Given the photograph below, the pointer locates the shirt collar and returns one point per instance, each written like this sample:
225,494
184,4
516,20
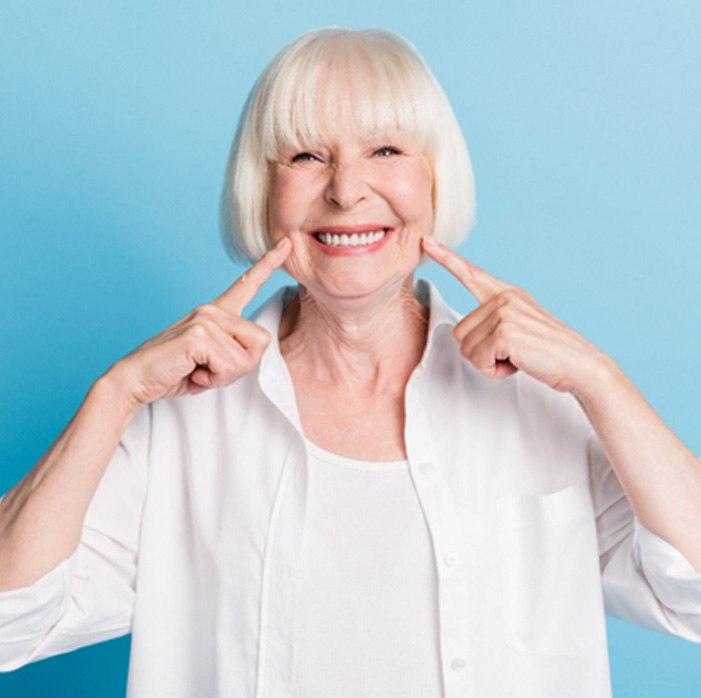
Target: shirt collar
440,313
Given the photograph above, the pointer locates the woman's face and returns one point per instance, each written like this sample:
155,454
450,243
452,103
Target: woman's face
355,212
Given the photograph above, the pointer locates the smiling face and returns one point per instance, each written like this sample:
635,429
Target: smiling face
355,210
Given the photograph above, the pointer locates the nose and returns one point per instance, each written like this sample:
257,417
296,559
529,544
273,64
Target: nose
347,186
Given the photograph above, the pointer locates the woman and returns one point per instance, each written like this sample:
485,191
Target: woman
337,498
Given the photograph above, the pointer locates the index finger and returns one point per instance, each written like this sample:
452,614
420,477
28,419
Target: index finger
244,289
477,281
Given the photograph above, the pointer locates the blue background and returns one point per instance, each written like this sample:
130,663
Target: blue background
584,123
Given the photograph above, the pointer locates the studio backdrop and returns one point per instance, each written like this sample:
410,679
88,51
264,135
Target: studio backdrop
584,125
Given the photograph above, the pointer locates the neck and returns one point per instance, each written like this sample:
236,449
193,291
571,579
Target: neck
367,340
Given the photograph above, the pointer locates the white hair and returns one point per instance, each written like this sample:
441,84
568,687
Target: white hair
383,84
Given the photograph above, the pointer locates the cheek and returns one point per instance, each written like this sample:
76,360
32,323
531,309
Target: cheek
286,204
281,210
415,196
298,263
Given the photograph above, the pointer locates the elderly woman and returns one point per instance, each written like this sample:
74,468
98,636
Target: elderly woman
358,493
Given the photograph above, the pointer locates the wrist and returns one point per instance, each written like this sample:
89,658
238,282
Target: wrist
602,379
112,388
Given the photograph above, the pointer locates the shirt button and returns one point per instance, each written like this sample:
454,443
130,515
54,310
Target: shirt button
425,468
457,664
451,559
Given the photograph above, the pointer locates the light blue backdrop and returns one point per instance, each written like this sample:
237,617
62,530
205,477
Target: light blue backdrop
584,122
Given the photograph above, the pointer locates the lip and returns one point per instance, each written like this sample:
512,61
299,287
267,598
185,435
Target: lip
348,229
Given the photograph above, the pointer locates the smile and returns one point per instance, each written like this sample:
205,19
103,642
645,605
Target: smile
350,239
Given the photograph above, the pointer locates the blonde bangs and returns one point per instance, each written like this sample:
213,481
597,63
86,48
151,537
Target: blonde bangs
356,84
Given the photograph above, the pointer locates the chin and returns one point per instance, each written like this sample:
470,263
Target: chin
357,286
352,277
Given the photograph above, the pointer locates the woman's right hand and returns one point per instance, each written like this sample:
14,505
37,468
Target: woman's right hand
209,348
42,517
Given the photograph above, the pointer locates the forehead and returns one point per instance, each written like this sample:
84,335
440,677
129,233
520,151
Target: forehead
341,101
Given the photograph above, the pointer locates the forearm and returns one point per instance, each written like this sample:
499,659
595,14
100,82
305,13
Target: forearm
41,518
659,474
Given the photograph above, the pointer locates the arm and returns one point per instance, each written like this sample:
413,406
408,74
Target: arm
89,596
42,517
645,580
509,331
660,476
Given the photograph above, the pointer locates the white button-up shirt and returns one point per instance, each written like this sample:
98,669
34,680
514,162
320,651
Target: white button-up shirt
192,541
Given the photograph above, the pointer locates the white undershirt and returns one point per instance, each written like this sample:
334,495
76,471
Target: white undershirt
366,610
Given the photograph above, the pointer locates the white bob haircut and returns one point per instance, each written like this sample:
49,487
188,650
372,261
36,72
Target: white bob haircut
379,84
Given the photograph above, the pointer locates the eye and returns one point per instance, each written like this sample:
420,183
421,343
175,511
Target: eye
304,157
387,150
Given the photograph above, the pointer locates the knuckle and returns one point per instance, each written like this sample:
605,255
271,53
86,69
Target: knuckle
510,302
256,352
265,338
510,295
198,332
253,356
506,313
261,337
203,316
204,311
522,294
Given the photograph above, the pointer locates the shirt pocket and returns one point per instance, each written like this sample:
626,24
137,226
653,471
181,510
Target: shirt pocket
551,583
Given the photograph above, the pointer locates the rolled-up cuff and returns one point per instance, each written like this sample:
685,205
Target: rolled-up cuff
672,577
28,614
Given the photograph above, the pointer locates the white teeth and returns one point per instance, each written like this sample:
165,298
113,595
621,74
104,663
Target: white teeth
350,240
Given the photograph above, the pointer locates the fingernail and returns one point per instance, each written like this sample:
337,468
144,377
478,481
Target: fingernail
430,242
282,243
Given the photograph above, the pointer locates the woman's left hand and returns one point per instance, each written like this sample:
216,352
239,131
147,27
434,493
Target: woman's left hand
510,331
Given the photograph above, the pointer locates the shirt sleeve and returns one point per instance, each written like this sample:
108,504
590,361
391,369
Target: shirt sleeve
89,597
646,581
